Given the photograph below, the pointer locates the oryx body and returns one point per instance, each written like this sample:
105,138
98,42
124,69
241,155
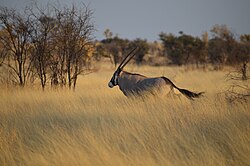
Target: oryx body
136,84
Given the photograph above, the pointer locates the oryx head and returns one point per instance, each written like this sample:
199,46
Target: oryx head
114,80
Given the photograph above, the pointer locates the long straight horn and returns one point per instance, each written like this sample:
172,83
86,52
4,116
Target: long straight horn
124,64
121,64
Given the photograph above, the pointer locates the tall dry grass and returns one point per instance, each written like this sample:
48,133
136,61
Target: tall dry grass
99,126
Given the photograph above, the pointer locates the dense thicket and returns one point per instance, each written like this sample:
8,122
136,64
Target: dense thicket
218,48
222,48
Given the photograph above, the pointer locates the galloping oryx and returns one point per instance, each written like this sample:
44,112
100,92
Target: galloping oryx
136,84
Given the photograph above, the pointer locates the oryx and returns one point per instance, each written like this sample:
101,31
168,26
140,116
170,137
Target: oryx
136,84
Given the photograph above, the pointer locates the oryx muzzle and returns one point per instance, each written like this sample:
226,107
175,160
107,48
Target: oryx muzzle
136,84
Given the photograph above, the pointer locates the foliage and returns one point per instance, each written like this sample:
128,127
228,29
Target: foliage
144,47
114,47
220,50
183,49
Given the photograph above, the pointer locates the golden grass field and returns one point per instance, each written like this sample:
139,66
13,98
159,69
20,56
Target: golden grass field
96,125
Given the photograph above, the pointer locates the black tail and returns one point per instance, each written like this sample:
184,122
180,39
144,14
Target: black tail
187,93
190,94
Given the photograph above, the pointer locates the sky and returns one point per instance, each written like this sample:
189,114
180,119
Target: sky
146,19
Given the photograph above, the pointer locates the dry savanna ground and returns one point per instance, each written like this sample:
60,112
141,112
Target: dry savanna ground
96,125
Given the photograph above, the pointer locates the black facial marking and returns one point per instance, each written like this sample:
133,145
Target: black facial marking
114,79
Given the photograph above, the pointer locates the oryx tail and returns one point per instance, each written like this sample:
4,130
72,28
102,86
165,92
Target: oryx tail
185,92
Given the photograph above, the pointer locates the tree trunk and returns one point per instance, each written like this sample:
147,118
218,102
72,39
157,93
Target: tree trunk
244,71
20,75
74,85
69,74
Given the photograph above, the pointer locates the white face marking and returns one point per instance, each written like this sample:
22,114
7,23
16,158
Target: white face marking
110,84
116,77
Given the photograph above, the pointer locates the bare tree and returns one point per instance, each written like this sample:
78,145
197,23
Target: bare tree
73,36
43,24
239,89
17,32
3,50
